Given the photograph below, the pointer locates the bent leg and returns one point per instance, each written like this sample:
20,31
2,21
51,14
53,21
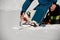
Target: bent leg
40,13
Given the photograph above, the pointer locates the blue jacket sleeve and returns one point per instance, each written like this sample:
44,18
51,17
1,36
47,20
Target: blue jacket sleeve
54,1
26,5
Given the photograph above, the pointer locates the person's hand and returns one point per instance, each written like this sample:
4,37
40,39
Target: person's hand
21,15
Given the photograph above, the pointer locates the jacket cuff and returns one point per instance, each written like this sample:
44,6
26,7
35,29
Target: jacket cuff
21,12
